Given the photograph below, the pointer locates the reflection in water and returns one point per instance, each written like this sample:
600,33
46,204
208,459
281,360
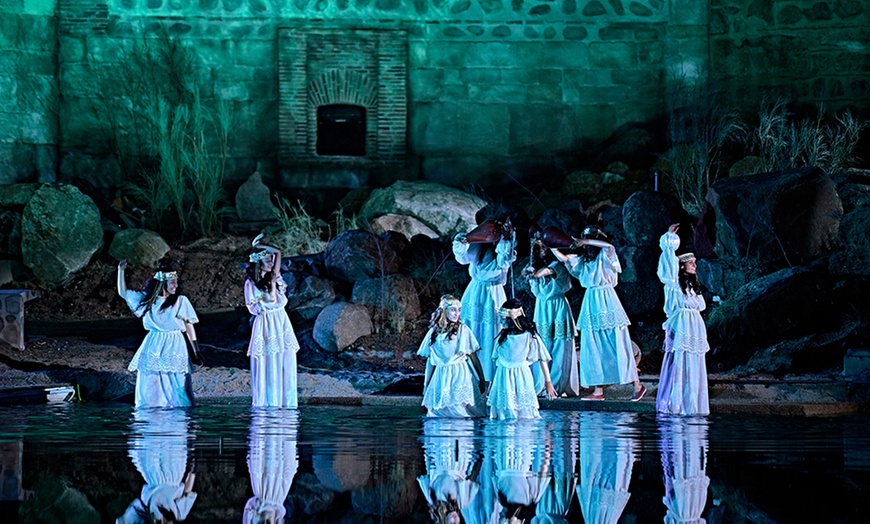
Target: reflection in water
684,462
158,445
556,499
451,481
607,456
522,456
272,462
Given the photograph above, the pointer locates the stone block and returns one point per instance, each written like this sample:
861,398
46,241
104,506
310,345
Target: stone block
497,54
12,315
856,365
541,129
565,55
613,54
481,129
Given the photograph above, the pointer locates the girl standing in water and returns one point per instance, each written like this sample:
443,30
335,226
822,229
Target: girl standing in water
683,380
513,394
273,344
450,388
162,363
606,355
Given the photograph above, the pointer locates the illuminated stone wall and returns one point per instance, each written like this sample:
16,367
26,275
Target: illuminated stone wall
487,86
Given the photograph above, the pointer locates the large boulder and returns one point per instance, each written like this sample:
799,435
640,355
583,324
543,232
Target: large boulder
787,217
404,224
341,324
396,295
140,247
646,216
444,210
60,231
308,291
788,303
357,255
254,202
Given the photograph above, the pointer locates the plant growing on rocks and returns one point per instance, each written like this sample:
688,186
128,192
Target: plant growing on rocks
297,232
169,142
784,143
699,128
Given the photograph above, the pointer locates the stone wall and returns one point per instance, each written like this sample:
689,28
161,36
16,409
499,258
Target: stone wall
489,86
28,94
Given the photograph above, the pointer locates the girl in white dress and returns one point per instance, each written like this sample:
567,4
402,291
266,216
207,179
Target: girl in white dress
488,266
513,394
273,344
450,388
606,354
683,380
549,281
162,363
451,483
272,463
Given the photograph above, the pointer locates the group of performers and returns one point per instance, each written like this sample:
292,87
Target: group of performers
163,361
519,358
522,359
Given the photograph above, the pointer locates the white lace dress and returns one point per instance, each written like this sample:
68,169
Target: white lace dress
606,355
555,324
449,463
485,293
161,363
272,349
683,381
513,394
453,389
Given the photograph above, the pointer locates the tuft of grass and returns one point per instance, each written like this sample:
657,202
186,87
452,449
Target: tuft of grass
699,128
298,232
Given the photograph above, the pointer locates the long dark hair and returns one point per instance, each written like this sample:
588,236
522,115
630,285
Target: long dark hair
154,288
589,253
541,257
253,270
517,326
689,281
523,512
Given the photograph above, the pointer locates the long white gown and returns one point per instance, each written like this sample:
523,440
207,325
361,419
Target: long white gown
272,463
448,446
555,324
683,380
485,293
161,363
606,355
272,348
454,389
513,394
607,456
158,447
684,463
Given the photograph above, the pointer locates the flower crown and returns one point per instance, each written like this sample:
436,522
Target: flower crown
257,256
449,300
164,276
511,313
686,257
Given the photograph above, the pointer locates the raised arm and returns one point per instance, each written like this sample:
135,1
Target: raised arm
596,243
669,265
505,251
122,281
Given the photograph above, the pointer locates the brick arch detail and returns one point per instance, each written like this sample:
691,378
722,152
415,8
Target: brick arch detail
341,86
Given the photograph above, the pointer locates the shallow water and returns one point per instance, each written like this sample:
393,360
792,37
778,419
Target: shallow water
99,463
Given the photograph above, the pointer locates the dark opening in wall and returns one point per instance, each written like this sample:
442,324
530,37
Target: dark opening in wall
341,130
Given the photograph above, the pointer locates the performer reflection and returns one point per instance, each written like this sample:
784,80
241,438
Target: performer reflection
607,456
684,462
272,462
556,500
452,480
158,445
522,458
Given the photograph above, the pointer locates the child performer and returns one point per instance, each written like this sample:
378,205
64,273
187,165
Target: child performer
549,281
488,266
450,388
606,355
683,381
513,394
273,344
162,363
